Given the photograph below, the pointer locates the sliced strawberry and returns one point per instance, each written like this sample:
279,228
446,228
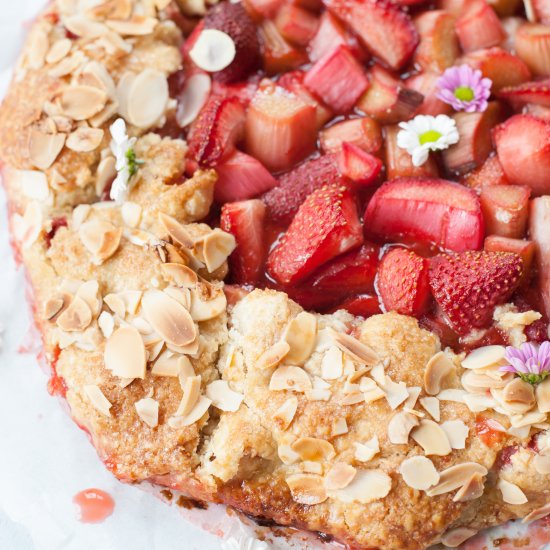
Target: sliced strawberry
454,7
325,226
232,19
479,27
242,177
258,9
533,46
363,132
216,130
403,282
279,55
245,221
357,165
296,25
524,249
281,129
468,286
438,48
387,100
363,305
539,229
294,187
489,173
426,84
475,143
537,93
523,148
338,79
505,209
436,211
387,32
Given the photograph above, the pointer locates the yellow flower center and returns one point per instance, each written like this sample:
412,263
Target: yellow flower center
464,93
430,136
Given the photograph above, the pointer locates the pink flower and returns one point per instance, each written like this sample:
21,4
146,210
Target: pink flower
464,89
530,362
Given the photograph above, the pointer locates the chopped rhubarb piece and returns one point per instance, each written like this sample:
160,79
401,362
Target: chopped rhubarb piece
436,211
454,7
259,9
489,173
539,229
403,282
468,286
245,221
296,25
438,47
216,130
537,93
505,209
338,79
523,148
242,177
533,46
475,143
279,55
479,27
363,132
541,9
387,31
426,84
387,100
357,165
399,162
363,305
294,187
325,226
281,129
524,249
502,67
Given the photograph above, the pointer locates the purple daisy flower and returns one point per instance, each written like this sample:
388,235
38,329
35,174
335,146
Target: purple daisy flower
530,362
464,89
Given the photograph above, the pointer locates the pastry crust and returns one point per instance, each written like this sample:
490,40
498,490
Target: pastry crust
262,439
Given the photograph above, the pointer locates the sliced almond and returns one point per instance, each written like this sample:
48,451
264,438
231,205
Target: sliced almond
116,303
105,174
168,317
518,391
284,415
83,27
332,366
148,410
457,433
199,410
455,395
181,295
456,476
147,98
339,427
455,537
486,356
45,148
137,25
191,394
180,274
27,228
414,393
479,402
355,349
511,493
196,91
204,310
312,467
58,50
272,356
213,51
98,399
82,102
431,406
367,486
431,438
216,248
395,392
290,378
528,419
539,513
125,353
373,394
311,448
37,48
106,324
339,476
300,335
88,291
439,367
101,238
471,490
543,396
33,184
52,307
178,233
419,473
223,397
131,213
307,488
76,317
84,140
364,452
400,427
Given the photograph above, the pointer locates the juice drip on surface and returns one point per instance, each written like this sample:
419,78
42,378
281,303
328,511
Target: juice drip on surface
94,505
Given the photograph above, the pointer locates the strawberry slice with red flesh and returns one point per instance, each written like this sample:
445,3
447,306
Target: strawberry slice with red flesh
242,177
338,79
468,286
326,225
294,187
537,93
490,173
245,221
363,132
214,133
363,305
523,148
403,282
539,229
479,27
233,20
357,165
387,32
525,249
432,211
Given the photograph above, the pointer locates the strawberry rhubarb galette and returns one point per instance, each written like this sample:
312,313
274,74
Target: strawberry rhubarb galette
294,255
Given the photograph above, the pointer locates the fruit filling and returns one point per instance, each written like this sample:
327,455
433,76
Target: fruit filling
377,155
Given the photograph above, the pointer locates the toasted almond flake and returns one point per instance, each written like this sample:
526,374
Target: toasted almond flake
170,364
148,410
80,214
311,448
456,476
32,183
373,395
82,26
508,407
431,406
213,51
395,392
82,102
400,427
137,25
339,427
307,488
311,467
66,66
539,513
168,317
528,419
480,381
179,274
191,394
181,295
317,394
290,378
272,356
98,399
511,493
351,388
367,384
364,452
116,303
414,393
76,317
455,537
216,248
199,410
358,374
124,353
300,335
106,323
204,310
438,369
457,433
195,92
96,74
339,476
479,402
88,291
223,397
518,391
285,414
471,490
37,48
100,238
543,396
431,438
131,213
367,486
44,148
332,366
84,140
106,173
147,98
58,50
457,396
486,356
419,473
358,351
52,307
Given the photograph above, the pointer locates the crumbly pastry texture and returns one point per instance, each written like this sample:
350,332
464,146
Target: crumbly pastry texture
364,430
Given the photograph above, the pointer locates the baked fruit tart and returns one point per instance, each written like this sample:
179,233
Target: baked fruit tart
294,255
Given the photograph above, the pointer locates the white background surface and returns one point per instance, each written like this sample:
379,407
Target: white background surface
44,458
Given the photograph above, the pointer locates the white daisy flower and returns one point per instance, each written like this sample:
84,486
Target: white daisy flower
122,147
426,133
